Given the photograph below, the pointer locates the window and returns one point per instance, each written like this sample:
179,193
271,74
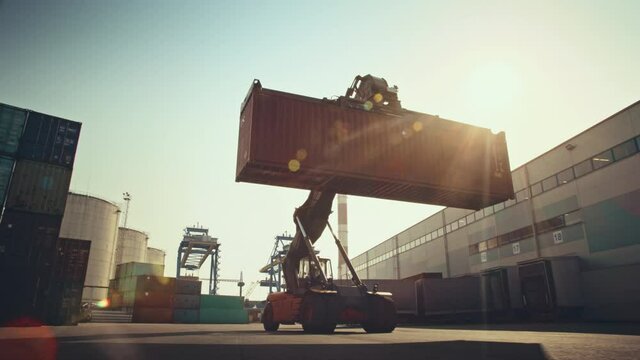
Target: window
479,214
549,183
550,224
470,218
497,207
454,226
488,211
428,237
441,232
583,168
509,202
522,195
473,249
434,234
573,217
492,243
624,150
448,228
603,159
565,176
482,246
536,189
462,222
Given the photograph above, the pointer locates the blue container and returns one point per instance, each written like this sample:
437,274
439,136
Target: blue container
49,139
12,121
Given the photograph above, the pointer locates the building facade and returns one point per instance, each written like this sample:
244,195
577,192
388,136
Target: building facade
581,198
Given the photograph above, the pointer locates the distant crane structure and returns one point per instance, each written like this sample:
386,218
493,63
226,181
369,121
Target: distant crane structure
127,199
194,249
274,264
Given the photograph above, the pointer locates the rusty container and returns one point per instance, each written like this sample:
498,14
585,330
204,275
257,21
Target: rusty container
302,142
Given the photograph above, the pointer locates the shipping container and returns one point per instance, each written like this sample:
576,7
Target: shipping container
223,316
49,139
182,301
156,283
403,292
137,269
72,260
186,316
38,188
152,315
12,122
28,243
221,302
6,169
64,304
153,299
188,286
301,142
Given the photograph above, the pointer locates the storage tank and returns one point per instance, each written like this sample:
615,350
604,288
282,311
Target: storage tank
132,246
90,218
155,256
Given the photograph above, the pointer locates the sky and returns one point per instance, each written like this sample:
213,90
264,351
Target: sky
158,85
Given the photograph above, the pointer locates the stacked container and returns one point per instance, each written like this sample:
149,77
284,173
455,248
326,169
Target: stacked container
186,304
37,152
220,309
123,289
154,296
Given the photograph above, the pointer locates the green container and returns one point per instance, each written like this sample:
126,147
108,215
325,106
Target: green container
186,316
146,269
221,302
223,316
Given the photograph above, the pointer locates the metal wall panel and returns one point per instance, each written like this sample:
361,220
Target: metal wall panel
39,188
296,141
49,139
12,121
6,169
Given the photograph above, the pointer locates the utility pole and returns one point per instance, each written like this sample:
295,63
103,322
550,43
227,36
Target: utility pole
127,198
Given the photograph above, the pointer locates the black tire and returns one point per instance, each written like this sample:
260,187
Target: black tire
315,314
267,319
381,315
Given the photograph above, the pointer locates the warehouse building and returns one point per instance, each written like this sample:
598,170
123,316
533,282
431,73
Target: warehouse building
581,199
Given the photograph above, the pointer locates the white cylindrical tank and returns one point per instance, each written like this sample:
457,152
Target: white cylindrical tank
155,256
90,218
132,246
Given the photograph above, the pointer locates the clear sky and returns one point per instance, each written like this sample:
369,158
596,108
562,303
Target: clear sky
158,86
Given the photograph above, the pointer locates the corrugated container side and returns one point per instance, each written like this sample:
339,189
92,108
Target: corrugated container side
182,301
188,286
6,169
403,292
221,302
152,315
49,139
28,243
412,157
151,299
156,283
39,188
186,316
72,261
223,316
12,122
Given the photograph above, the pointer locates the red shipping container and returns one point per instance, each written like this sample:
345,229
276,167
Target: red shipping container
301,142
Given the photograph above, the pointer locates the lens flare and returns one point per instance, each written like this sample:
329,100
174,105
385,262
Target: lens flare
417,126
368,105
103,303
301,154
294,165
377,97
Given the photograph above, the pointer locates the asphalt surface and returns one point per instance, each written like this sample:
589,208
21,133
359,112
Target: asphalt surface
181,341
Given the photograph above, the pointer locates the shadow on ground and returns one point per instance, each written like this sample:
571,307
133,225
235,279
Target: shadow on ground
582,328
455,350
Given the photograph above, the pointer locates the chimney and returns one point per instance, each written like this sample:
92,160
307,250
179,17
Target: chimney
343,271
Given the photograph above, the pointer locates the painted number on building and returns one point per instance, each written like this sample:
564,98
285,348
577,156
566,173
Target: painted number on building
483,257
516,248
557,237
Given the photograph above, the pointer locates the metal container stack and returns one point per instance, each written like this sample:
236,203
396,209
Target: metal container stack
37,152
221,309
186,304
123,288
154,296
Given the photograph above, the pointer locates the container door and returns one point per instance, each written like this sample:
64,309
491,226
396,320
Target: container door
536,287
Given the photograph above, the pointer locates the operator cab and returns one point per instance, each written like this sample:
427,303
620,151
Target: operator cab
309,276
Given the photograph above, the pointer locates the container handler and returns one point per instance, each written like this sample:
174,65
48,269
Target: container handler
315,301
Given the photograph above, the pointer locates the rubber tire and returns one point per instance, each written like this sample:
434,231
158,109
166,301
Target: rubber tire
267,319
382,316
318,307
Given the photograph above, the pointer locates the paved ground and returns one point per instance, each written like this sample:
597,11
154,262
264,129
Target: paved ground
174,341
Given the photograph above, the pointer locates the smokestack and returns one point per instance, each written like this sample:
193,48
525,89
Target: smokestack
343,271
